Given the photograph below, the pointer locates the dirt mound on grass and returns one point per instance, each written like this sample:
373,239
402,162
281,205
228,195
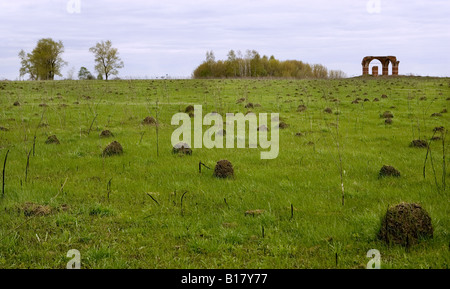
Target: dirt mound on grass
419,143
328,110
223,169
262,128
436,114
149,120
388,171
301,108
3,128
106,133
113,148
405,224
222,132
254,212
283,125
32,209
439,129
182,148
52,140
376,99
189,108
16,103
249,105
388,121
387,114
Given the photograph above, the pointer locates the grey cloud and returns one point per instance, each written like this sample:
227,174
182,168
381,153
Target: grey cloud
172,36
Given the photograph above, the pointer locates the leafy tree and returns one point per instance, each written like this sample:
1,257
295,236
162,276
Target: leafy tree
85,74
106,58
44,62
253,65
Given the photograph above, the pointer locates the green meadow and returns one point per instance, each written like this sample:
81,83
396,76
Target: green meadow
151,208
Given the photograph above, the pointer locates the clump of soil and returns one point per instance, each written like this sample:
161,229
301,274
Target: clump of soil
388,121
328,110
149,120
254,212
32,209
191,114
257,105
16,103
106,133
301,108
384,96
387,114
249,105
405,224
240,100
113,148
189,108
43,105
419,143
388,171
376,99
283,125
182,148
436,114
439,129
3,128
52,140
262,128
366,100
436,138
222,132
223,169
299,134
355,101
444,110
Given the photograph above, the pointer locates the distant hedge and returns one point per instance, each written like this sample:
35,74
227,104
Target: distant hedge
253,65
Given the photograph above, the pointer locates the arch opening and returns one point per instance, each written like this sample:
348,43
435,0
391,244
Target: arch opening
384,60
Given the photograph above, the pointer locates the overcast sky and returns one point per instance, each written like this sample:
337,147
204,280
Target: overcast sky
156,38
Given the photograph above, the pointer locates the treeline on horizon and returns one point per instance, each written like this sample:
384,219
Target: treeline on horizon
252,64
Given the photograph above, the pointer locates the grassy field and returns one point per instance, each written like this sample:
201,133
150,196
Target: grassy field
66,196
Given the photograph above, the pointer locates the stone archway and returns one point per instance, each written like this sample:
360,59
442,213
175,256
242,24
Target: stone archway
385,60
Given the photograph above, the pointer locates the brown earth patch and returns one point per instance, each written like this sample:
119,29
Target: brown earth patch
112,149
388,171
405,224
106,133
223,169
52,140
149,120
419,143
182,148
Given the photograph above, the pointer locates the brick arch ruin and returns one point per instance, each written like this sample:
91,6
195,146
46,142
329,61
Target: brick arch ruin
385,60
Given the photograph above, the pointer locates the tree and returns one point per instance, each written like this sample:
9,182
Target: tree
70,73
84,74
44,62
106,58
